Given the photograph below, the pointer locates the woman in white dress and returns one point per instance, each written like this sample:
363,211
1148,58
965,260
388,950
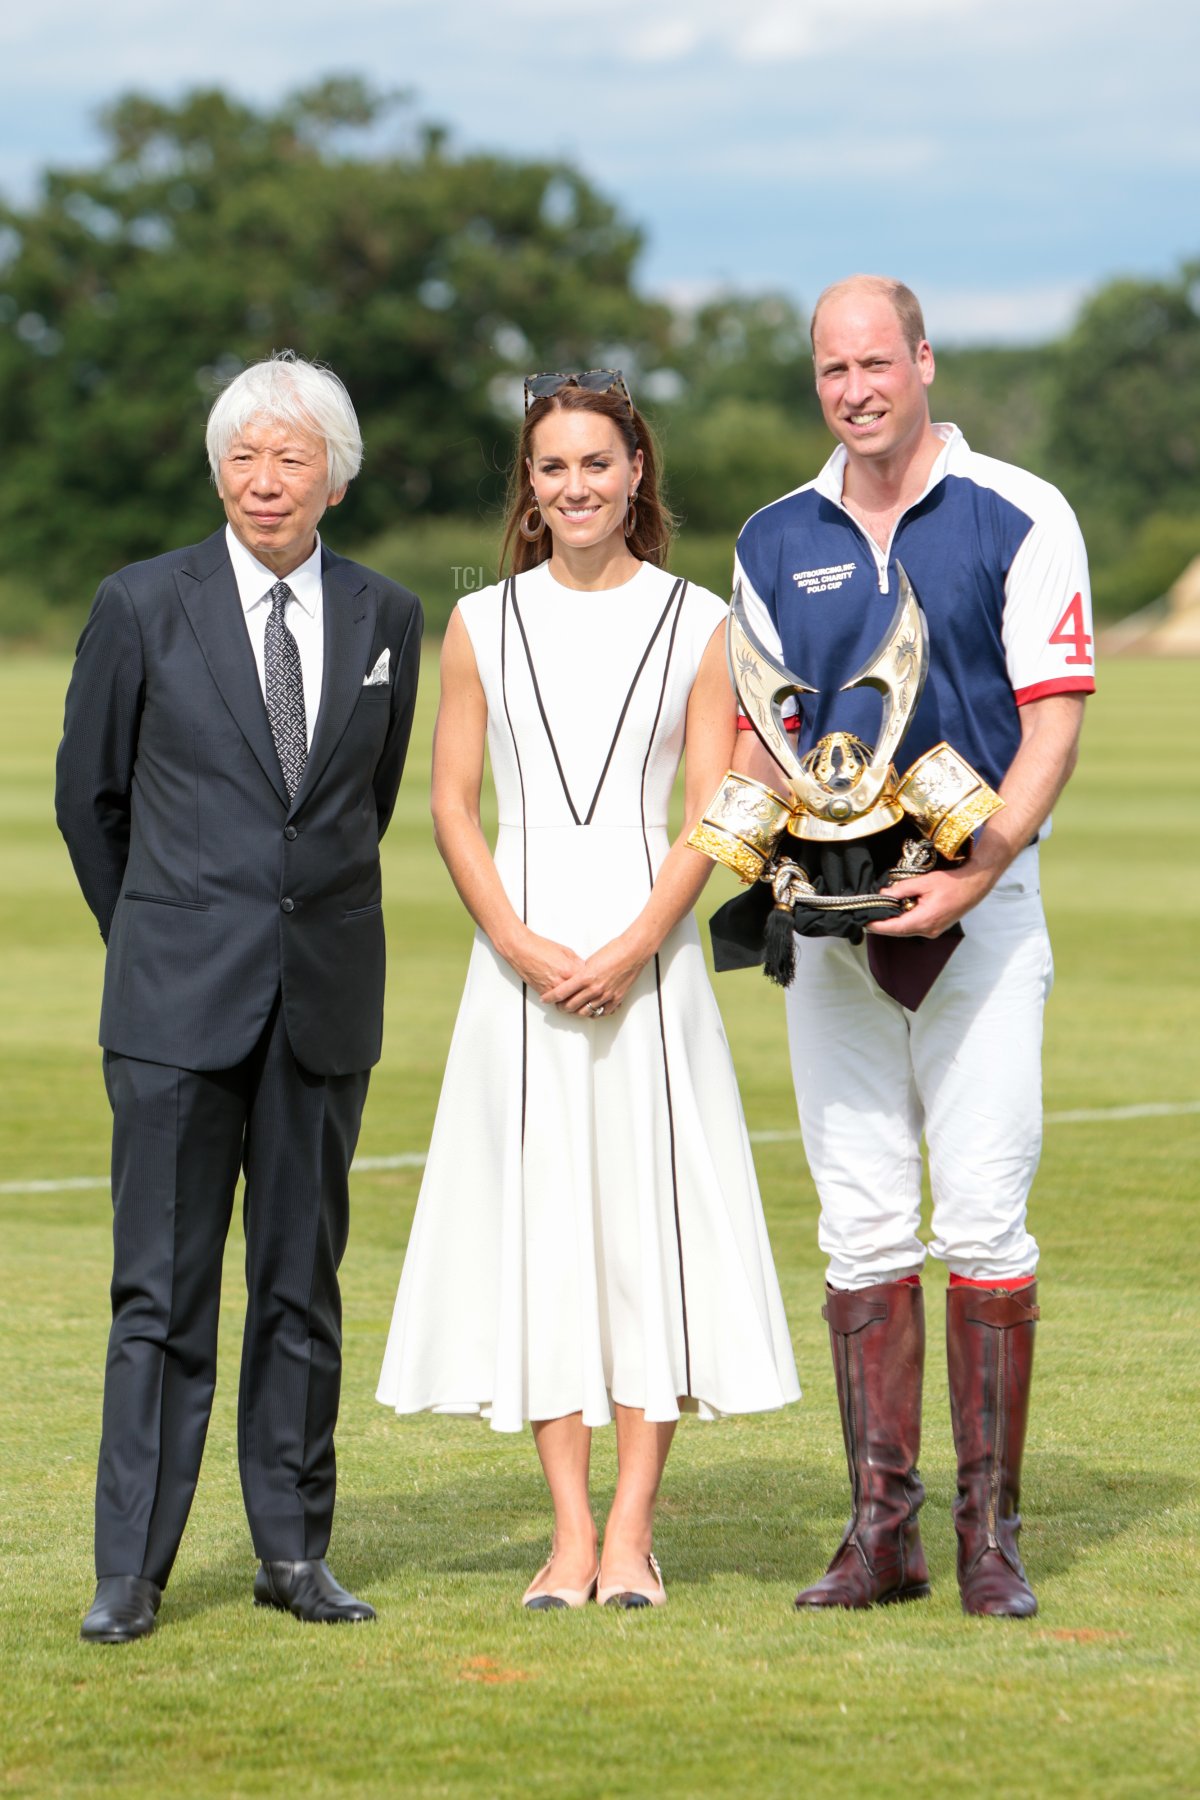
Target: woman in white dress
589,1241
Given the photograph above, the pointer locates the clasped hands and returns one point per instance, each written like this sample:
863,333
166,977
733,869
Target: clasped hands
592,986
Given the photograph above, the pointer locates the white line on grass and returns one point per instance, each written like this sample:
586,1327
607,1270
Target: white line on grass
1149,1109
408,1159
53,1187
415,1159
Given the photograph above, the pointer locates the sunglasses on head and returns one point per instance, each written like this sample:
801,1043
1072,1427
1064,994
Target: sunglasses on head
595,381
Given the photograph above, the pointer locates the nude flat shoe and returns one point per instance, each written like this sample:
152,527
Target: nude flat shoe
555,1599
630,1599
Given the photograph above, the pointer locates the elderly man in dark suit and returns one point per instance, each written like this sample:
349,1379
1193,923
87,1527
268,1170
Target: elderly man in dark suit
236,728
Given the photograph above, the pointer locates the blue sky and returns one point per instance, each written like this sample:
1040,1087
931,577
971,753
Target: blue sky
1002,156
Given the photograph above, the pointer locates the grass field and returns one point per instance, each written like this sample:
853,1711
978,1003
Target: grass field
440,1523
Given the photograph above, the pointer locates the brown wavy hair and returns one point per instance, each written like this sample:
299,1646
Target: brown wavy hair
654,532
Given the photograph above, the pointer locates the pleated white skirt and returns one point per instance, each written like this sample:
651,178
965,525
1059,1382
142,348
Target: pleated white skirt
589,1228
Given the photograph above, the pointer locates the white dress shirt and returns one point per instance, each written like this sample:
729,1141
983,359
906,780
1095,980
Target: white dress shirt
302,616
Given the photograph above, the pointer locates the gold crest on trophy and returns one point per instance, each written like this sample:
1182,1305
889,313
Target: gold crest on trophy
842,788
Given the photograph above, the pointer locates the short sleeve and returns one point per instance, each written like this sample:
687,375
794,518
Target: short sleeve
1048,640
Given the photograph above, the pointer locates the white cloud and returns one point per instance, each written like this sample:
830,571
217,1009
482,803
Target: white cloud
1031,314
664,40
773,158
690,294
1005,157
774,30
138,40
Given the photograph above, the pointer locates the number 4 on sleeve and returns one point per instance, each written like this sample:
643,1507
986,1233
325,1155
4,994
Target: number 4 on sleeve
1071,630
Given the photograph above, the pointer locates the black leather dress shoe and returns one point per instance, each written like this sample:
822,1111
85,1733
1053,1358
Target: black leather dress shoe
123,1609
308,1591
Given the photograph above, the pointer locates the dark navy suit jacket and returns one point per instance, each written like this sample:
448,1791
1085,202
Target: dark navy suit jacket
212,890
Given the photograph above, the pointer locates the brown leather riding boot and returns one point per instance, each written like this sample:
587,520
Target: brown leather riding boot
878,1340
989,1348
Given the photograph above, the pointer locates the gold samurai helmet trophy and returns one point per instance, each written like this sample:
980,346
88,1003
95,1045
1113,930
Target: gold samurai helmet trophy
842,789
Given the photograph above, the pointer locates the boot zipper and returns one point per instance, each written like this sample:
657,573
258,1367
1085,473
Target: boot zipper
998,1433
851,1429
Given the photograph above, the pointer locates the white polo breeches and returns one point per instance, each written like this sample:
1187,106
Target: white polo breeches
964,1069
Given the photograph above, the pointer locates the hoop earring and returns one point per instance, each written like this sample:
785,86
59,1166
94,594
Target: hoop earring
531,533
631,516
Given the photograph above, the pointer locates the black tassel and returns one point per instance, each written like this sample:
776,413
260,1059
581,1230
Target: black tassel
779,947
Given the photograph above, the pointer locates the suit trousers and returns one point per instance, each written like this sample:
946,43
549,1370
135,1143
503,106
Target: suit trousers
180,1137
964,1070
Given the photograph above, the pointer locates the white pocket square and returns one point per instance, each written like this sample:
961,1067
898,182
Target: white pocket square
380,674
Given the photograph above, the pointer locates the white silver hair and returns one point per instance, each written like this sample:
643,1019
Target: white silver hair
292,392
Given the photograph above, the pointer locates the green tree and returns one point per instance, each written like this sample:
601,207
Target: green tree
749,347
740,422
1123,428
728,458
212,233
745,424
1000,396
1123,438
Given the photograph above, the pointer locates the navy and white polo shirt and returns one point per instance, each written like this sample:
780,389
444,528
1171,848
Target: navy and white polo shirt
998,563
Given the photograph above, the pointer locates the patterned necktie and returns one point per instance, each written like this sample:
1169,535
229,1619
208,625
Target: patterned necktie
285,691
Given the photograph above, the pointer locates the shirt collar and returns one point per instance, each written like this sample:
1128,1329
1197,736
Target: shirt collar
829,481
255,580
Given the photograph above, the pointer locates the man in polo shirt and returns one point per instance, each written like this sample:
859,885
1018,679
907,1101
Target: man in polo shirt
996,559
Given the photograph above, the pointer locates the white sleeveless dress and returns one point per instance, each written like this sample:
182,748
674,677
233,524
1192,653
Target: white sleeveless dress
589,1228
